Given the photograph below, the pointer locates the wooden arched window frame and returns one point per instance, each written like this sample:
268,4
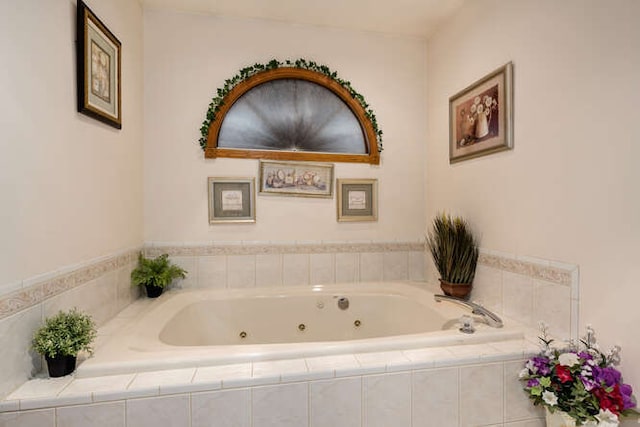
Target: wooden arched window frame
371,154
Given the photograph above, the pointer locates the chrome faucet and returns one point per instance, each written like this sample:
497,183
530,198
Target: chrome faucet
491,318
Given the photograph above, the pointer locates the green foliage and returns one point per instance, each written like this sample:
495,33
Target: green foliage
65,334
454,249
245,73
158,272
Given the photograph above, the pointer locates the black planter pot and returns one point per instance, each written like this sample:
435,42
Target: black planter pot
60,366
153,291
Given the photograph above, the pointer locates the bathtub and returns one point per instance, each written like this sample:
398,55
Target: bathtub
193,328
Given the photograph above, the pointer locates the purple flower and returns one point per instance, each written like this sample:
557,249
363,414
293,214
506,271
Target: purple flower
585,356
607,376
626,391
588,383
533,382
541,365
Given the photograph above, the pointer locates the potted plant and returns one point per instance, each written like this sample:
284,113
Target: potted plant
155,274
578,385
455,254
62,337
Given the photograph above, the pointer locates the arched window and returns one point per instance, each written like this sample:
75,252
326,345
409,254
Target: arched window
292,114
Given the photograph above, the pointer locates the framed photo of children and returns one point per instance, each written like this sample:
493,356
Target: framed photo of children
481,116
231,200
98,67
357,199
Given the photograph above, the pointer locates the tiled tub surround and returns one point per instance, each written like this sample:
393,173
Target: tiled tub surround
100,287
524,288
462,385
530,290
468,385
249,264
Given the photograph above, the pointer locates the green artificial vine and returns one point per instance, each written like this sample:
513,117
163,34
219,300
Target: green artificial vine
218,101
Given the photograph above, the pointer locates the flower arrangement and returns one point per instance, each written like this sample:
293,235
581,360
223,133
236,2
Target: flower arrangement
485,105
476,120
579,380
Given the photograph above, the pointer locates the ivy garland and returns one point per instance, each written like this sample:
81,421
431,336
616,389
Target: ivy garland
251,70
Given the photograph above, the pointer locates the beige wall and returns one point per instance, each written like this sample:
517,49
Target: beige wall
187,57
568,191
71,187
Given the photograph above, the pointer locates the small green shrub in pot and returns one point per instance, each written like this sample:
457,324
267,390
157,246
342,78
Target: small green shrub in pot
62,337
455,252
155,274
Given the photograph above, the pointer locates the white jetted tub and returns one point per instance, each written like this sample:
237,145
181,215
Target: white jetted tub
190,328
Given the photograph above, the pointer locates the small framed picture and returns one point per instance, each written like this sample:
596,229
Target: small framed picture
481,116
302,179
357,199
231,200
98,67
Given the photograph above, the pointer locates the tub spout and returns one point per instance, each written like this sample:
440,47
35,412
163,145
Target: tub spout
491,318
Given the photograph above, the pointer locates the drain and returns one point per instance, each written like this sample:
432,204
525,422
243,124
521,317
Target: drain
301,327
243,334
357,323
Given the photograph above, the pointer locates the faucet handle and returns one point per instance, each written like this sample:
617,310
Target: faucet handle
466,323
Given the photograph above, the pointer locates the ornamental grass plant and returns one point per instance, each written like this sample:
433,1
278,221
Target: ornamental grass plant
454,249
579,380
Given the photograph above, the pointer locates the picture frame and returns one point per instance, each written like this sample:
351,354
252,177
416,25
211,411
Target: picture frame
231,200
98,57
357,200
481,116
299,179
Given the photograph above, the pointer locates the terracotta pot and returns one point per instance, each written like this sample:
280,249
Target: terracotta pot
153,291
459,290
60,366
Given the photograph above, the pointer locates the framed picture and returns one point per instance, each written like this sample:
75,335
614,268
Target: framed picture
231,200
98,67
481,116
357,199
296,179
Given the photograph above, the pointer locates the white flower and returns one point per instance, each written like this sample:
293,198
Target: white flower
550,398
480,108
530,366
488,101
568,359
523,373
473,108
607,419
476,100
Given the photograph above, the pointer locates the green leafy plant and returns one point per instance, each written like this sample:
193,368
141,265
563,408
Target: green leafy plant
454,249
158,272
65,334
245,73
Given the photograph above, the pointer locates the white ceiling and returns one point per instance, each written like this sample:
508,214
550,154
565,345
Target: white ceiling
407,17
